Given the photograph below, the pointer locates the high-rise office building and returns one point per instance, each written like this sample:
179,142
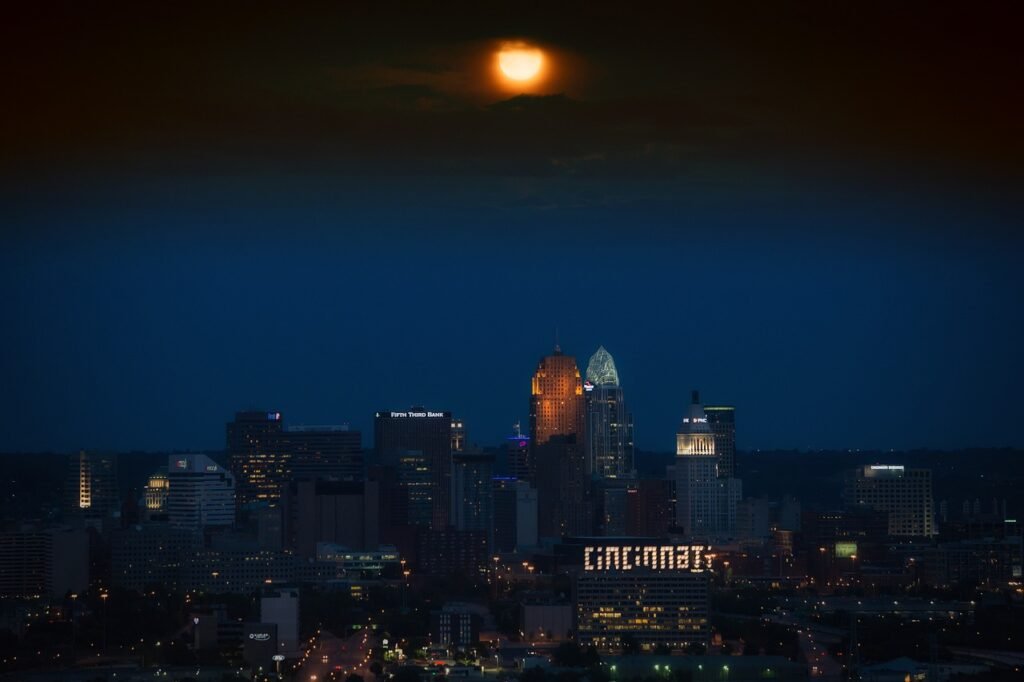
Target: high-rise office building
695,436
556,400
557,445
43,562
92,485
321,452
517,455
200,493
564,503
155,495
615,494
345,513
705,504
415,479
473,494
458,435
722,420
515,514
260,468
420,433
705,501
650,508
906,494
609,438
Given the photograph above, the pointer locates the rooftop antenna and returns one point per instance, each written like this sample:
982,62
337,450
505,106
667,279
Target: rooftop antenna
558,348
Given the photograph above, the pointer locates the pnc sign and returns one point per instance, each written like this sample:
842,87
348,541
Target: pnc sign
685,558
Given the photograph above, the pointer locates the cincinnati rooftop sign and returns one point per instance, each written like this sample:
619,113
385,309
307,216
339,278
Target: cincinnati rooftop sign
690,558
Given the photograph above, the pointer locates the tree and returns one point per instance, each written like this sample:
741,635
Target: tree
377,669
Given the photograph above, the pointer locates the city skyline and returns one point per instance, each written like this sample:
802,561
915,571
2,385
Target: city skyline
498,342
363,421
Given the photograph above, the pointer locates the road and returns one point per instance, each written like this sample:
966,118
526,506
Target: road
336,658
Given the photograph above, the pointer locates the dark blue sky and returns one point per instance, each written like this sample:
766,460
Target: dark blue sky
810,211
139,317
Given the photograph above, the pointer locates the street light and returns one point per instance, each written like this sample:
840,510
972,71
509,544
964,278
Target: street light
104,596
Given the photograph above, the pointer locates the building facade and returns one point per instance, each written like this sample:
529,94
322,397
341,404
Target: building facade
557,406
92,485
418,432
705,500
200,493
564,503
722,420
906,494
473,494
705,504
38,562
655,594
321,452
260,469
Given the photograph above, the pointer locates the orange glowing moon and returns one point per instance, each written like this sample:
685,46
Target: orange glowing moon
520,63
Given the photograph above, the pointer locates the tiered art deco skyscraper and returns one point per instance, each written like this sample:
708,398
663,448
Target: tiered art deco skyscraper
609,425
556,399
557,430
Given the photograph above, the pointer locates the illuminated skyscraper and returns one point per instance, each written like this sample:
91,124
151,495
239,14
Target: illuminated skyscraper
556,399
92,485
156,492
558,435
695,436
609,438
705,501
259,466
517,455
458,436
722,420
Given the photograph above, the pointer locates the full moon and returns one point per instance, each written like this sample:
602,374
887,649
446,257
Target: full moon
520,63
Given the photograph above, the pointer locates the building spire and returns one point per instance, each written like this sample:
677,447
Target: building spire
558,348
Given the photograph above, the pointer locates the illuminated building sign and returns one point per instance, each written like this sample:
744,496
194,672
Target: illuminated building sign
181,463
687,558
259,636
846,550
587,386
416,415
273,416
695,420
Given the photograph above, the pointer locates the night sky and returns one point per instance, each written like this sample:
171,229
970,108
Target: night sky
813,214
